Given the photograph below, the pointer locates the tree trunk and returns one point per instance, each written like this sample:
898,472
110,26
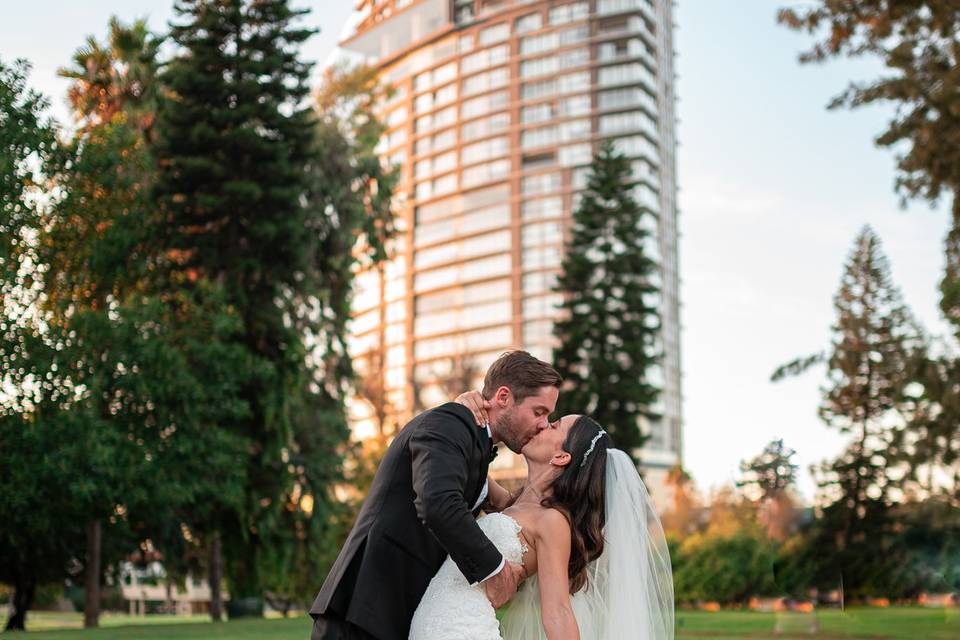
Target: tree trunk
91,605
23,592
215,576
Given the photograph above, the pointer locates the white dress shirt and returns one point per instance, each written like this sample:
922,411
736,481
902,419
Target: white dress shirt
483,496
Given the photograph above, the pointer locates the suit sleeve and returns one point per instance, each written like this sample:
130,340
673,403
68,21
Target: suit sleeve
440,453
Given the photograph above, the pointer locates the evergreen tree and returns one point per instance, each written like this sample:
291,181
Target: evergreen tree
265,199
772,472
608,331
875,338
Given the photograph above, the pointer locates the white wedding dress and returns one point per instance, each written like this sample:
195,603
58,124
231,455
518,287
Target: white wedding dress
452,608
629,592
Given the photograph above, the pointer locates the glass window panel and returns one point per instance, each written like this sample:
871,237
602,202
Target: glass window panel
541,306
484,150
541,258
537,113
543,183
485,126
575,106
538,282
531,45
496,33
569,12
530,22
487,172
544,233
575,154
483,104
543,208
492,79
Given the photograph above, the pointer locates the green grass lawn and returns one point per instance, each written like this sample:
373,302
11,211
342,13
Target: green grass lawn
893,624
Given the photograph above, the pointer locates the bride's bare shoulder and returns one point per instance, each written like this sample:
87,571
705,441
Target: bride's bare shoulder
549,522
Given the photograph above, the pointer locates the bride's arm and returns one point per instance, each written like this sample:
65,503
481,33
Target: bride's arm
498,498
553,556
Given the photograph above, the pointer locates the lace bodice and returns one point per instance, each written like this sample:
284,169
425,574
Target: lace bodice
451,608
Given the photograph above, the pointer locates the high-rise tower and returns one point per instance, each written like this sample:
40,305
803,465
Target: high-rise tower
498,108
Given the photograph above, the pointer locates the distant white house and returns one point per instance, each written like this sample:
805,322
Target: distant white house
143,586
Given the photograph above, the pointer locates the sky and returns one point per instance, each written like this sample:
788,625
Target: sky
773,190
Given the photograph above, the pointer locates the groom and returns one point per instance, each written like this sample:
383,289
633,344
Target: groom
422,506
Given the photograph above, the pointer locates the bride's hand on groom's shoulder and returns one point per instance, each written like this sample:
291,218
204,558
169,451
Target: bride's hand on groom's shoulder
475,401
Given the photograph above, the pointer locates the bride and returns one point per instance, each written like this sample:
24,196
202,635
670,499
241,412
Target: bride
594,558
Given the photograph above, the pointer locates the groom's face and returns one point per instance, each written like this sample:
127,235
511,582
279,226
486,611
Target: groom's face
521,421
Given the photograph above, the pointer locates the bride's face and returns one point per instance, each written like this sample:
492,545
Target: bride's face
547,445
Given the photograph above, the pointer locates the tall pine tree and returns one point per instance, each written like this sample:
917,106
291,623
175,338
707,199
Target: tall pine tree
269,200
874,341
609,326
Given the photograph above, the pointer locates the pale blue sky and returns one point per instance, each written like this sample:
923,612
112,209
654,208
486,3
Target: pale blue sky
773,189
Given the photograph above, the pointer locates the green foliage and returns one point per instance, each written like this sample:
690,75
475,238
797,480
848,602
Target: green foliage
608,331
728,567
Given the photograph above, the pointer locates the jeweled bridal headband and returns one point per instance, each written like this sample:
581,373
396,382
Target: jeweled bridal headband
593,443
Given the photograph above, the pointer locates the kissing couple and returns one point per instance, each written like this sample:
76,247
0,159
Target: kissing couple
581,538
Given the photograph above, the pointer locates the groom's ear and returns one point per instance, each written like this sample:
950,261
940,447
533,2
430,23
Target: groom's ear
561,459
502,397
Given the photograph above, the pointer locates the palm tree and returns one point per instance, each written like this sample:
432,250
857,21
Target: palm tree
118,76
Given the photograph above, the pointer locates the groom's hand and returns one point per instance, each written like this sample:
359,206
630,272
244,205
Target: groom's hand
501,587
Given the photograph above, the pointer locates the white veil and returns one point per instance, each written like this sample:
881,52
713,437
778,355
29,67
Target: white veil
629,592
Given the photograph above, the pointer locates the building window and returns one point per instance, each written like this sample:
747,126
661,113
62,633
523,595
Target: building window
531,45
542,137
573,82
483,105
569,13
541,306
575,154
539,282
487,80
488,243
542,233
537,113
539,161
575,106
539,209
539,67
541,258
489,172
574,34
483,59
529,22
574,129
496,33
543,183
630,73
480,151
485,126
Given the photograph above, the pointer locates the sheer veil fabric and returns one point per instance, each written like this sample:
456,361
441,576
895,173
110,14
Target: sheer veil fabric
629,592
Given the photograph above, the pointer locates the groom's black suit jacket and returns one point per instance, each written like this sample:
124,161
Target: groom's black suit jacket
418,511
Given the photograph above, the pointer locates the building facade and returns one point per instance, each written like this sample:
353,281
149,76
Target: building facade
498,107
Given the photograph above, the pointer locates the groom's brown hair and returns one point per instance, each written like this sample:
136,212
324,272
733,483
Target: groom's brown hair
520,372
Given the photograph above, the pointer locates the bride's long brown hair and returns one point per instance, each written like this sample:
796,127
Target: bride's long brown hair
578,493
